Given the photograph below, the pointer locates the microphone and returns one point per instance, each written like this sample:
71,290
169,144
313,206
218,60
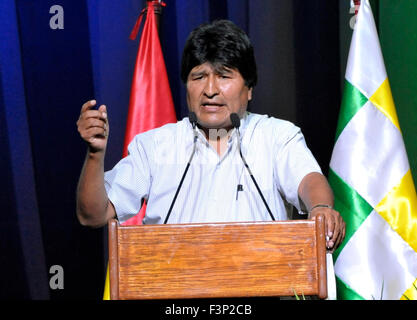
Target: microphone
234,118
193,120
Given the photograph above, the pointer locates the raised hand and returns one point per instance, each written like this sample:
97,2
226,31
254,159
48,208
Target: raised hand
93,126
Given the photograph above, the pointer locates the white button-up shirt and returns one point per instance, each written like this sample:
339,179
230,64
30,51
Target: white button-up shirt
274,149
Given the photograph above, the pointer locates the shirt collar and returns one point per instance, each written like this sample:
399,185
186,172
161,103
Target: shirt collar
243,125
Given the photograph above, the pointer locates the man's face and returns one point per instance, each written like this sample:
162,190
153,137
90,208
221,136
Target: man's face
213,93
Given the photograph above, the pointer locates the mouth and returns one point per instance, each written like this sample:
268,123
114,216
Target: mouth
211,106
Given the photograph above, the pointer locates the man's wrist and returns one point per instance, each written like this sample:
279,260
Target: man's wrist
96,154
320,205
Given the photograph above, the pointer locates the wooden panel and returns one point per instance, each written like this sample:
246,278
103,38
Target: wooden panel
321,256
219,260
113,259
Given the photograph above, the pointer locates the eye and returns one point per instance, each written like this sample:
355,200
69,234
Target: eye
198,76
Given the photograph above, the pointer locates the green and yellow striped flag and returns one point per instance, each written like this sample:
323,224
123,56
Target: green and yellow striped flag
371,179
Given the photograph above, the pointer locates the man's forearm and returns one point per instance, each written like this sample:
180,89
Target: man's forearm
314,190
92,200
316,194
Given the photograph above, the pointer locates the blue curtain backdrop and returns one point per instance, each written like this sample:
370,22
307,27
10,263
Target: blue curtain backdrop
47,74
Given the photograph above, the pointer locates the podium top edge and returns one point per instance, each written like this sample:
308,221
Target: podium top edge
217,224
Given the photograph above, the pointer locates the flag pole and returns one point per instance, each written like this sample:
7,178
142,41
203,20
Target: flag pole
157,5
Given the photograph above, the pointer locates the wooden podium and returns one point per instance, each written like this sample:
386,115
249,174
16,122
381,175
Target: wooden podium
214,260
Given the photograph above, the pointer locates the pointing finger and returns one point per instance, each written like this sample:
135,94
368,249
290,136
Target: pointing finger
88,105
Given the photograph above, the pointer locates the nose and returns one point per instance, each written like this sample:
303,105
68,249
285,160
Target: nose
211,89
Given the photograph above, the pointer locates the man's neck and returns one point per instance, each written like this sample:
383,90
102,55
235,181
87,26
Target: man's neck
218,138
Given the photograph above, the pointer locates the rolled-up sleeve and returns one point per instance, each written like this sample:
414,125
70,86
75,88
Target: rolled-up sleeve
294,161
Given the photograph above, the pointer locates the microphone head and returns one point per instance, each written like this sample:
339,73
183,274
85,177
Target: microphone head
193,118
234,118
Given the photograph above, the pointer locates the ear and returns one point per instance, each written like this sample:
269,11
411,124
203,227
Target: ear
250,94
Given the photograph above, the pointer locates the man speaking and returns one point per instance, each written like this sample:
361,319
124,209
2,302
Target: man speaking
220,164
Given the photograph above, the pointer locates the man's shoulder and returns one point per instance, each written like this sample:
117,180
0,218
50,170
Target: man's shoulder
266,122
168,128
165,136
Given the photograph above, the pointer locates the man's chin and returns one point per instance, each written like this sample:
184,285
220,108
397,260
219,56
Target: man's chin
215,125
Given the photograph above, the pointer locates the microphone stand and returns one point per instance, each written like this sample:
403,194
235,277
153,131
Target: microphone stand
193,120
236,123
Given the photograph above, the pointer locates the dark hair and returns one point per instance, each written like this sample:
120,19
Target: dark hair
220,43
